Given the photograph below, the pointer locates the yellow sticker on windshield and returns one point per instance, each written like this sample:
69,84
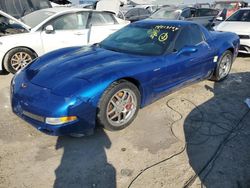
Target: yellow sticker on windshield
153,33
163,37
158,32
173,28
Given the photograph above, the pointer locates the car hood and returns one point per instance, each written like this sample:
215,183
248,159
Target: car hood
15,20
69,66
236,27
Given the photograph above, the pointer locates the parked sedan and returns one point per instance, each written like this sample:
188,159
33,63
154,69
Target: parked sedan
107,83
204,16
52,29
239,23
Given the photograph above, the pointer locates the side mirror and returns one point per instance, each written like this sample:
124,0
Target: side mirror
49,29
187,50
219,18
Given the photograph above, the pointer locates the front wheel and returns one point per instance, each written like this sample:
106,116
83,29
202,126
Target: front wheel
223,67
118,105
18,58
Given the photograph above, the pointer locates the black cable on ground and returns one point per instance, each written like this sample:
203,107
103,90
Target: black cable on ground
166,159
145,169
211,161
214,156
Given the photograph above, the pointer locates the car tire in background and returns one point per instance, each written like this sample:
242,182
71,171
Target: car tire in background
118,105
18,58
223,66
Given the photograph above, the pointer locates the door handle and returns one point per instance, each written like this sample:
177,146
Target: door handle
79,33
157,69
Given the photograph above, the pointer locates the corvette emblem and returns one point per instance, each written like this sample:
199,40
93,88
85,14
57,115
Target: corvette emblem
24,85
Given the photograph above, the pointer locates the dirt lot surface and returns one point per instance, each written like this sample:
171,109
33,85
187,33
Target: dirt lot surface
197,136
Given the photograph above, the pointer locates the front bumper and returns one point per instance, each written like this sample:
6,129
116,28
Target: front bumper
244,46
58,130
2,54
34,103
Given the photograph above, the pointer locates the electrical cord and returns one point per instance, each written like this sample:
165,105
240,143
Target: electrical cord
166,159
211,161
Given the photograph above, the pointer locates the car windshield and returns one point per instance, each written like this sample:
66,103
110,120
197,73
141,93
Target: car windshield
166,14
141,39
225,5
240,16
35,18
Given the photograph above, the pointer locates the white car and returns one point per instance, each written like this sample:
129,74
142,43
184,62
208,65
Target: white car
55,28
238,23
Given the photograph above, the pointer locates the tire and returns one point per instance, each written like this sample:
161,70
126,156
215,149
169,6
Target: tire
223,66
118,106
18,58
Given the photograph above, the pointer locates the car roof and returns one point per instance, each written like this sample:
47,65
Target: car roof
65,9
179,7
180,23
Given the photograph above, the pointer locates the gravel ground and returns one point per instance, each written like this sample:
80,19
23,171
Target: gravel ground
197,136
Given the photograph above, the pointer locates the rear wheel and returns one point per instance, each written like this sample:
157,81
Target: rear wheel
18,58
118,105
223,67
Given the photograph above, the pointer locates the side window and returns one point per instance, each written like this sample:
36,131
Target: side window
132,12
99,18
215,12
66,22
82,19
184,39
186,13
144,12
196,34
108,18
207,12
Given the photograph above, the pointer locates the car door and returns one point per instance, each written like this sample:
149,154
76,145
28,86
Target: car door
187,67
194,65
101,25
174,72
68,30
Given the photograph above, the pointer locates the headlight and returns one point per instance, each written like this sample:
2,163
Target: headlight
60,120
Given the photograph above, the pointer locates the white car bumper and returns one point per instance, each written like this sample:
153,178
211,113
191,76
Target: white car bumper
244,46
2,54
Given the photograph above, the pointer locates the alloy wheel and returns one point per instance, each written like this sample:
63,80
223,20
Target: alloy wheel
20,60
121,107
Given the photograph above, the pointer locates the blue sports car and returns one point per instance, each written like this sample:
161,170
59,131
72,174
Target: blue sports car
71,90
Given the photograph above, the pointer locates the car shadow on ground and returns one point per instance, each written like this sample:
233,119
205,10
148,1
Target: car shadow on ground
84,162
243,55
217,135
4,73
